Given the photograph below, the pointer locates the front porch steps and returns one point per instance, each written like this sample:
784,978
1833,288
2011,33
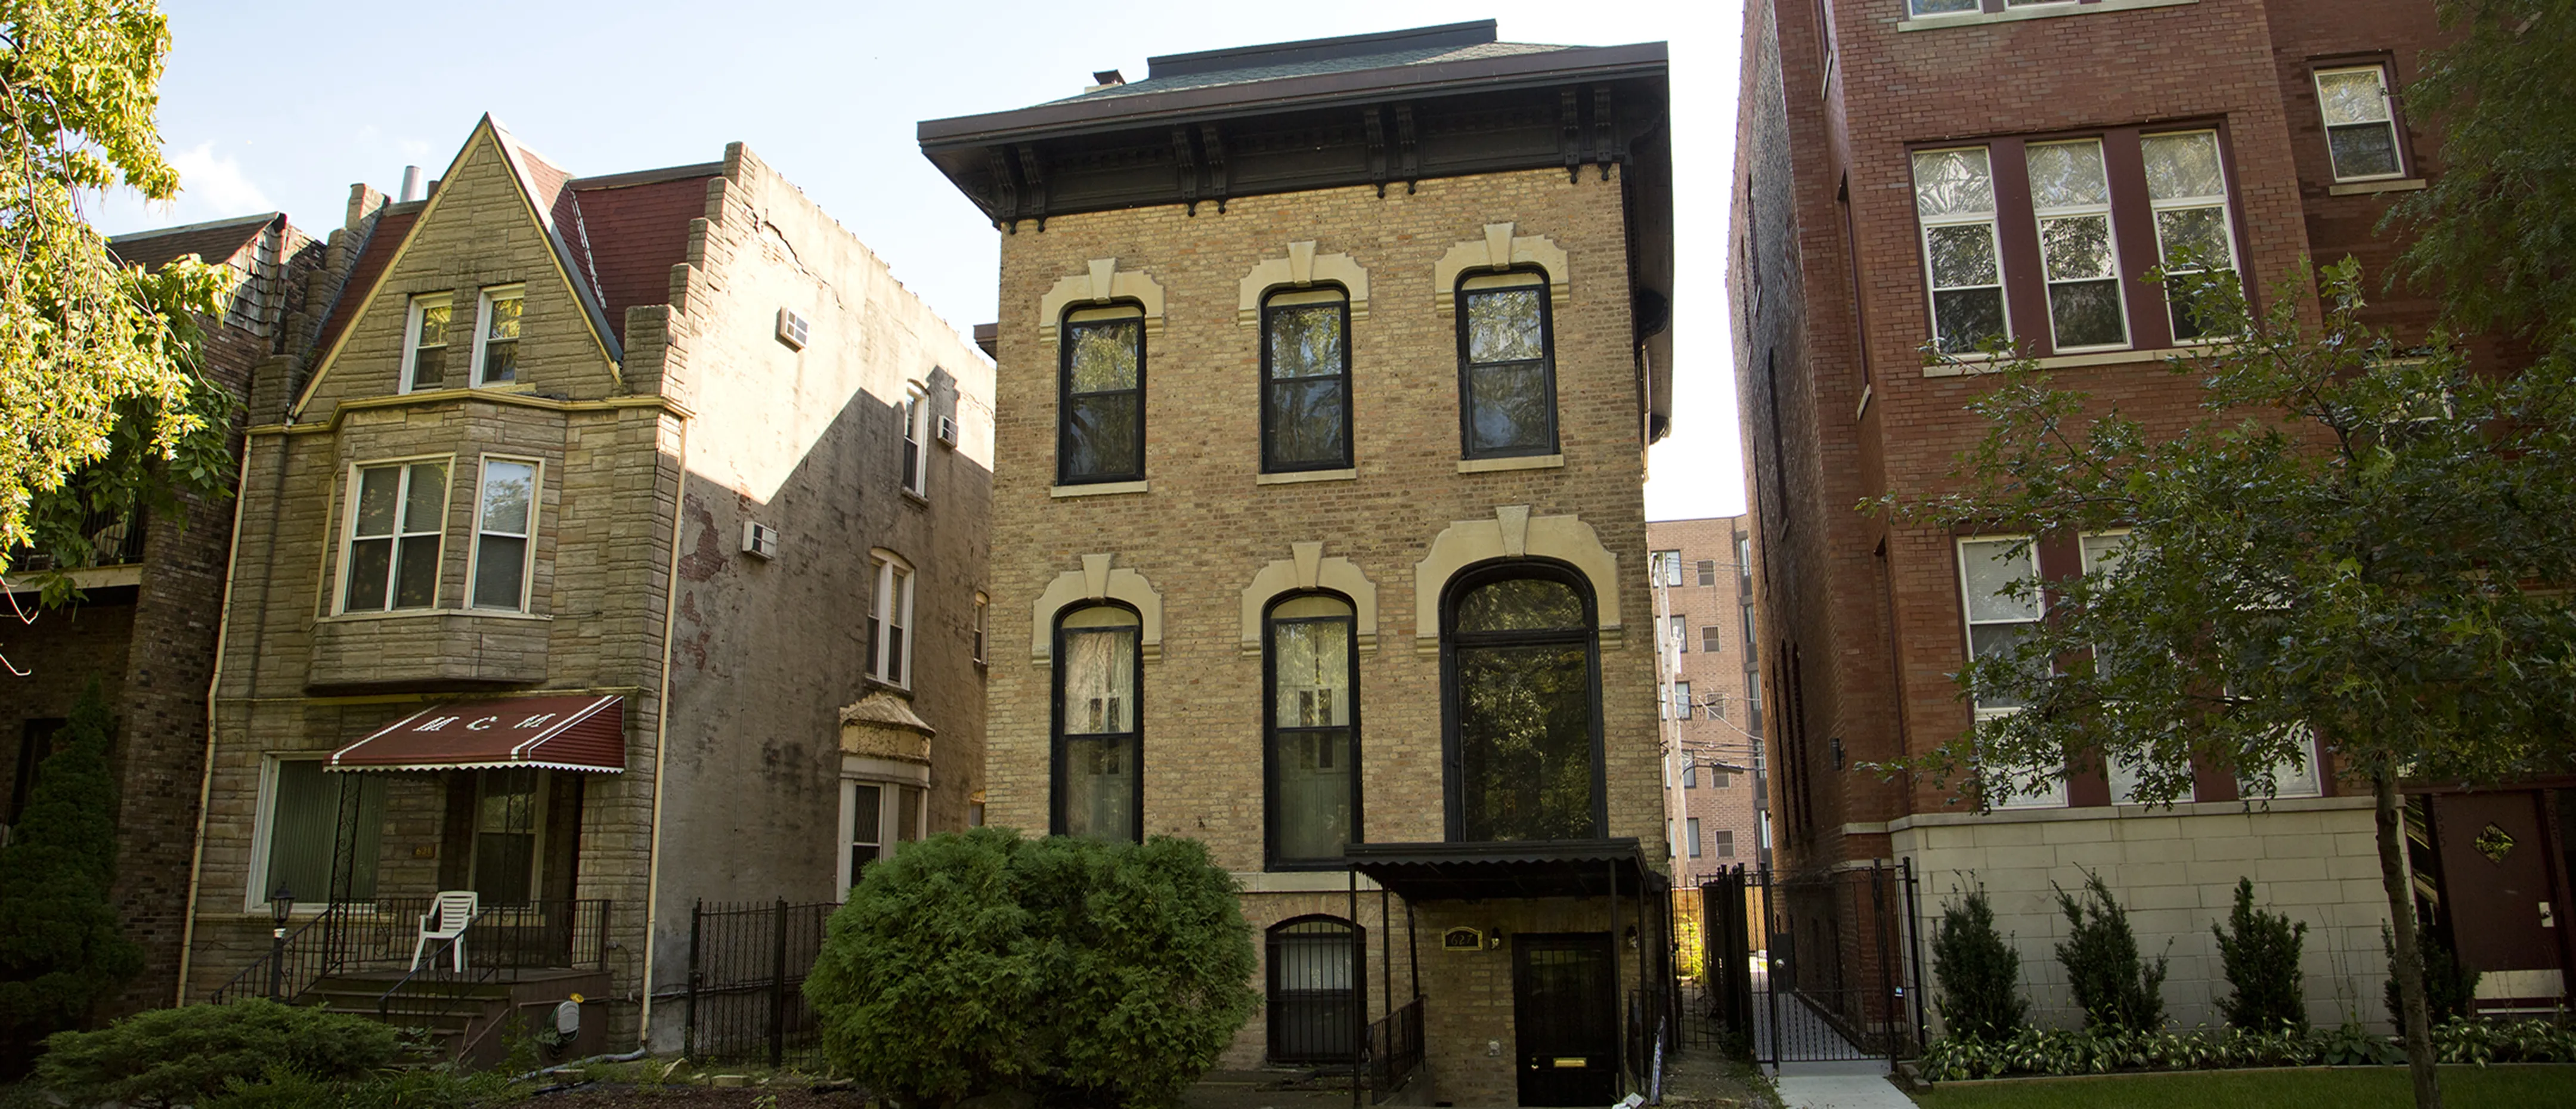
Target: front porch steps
472,1024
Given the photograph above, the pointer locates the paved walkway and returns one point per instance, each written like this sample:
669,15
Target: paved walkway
1860,1084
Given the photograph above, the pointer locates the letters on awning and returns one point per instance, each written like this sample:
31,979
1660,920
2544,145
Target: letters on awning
579,732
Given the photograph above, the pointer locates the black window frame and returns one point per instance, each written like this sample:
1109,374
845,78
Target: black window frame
1270,308
1273,995
1460,298
1064,395
1056,792
1272,732
1453,764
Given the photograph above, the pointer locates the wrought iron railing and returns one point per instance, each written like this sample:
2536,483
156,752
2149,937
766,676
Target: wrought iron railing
115,539
747,967
1394,1050
382,935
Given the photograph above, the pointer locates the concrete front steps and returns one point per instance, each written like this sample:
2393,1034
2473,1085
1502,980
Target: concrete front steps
474,1023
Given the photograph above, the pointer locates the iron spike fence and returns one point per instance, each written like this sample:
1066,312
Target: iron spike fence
746,991
1809,967
381,935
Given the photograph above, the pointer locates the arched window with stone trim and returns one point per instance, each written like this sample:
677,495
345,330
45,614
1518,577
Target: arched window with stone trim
1305,380
1506,365
1312,718
1099,752
1318,984
1100,421
1521,693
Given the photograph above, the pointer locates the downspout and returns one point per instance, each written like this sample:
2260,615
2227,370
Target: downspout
662,743
214,682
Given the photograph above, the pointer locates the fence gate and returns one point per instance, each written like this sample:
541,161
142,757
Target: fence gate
747,968
1812,968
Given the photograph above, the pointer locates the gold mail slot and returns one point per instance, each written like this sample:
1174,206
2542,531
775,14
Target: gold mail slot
1576,1062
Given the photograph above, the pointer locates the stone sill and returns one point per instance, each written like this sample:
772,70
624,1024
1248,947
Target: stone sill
1962,366
1522,462
427,613
94,577
2365,188
2035,11
1300,881
2036,815
1097,489
1301,476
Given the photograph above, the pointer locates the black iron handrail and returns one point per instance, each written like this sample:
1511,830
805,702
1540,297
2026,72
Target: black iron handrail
570,934
291,966
1394,1050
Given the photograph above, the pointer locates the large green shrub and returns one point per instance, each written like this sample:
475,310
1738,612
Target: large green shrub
2448,986
1076,971
1977,971
2260,953
2114,988
186,1055
60,950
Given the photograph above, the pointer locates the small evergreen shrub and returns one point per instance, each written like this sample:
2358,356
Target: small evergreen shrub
1977,972
187,1055
2113,987
1076,971
2448,986
2260,952
60,949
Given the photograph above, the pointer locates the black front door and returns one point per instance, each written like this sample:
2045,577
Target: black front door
1563,1003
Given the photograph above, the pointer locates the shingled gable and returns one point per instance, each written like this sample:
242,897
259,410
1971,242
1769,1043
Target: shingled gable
541,189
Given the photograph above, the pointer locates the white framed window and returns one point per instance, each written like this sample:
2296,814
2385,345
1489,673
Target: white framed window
1690,834
297,829
983,605
1681,701
505,528
1997,621
890,621
1690,775
2361,123
2187,191
2298,776
1954,201
915,411
1668,568
2070,194
1940,7
424,363
1677,629
496,334
875,816
397,518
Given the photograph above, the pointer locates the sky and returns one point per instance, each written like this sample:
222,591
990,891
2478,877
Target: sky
276,105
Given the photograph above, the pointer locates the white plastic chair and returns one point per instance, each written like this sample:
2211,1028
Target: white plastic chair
446,920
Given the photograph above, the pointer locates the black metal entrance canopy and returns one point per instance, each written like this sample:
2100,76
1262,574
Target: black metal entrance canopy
1419,872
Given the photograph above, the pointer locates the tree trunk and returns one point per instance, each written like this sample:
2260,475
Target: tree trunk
2409,956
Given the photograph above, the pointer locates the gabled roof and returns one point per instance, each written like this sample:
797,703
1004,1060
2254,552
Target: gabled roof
213,241
543,184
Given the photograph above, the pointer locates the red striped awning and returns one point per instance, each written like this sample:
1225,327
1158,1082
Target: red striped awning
556,733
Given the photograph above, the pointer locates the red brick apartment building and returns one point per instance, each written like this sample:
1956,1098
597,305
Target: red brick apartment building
1710,707
1900,165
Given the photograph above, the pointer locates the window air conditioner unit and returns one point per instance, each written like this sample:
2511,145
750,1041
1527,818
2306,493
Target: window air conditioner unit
759,540
948,431
792,329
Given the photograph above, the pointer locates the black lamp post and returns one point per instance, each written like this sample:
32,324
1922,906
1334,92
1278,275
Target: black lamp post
281,904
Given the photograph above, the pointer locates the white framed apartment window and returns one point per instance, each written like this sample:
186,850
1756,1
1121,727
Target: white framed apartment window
1997,621
2361,123
1668,568
1954,201
505,528
1681,701
875,816
915,411
2299,776
1690,834
296,830
983,605
1677,629
496,334
2070,194
424,364
890,621
2187,193
396,522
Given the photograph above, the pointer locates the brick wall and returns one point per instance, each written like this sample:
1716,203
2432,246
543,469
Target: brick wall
1722,727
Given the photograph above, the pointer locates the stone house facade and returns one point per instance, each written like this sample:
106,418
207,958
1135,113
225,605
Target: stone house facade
1312,355
144,625
1716,788
620,545
1899,163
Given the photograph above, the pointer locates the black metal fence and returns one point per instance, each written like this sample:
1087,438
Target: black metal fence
115,539
747,968
1395,1050
385,934
1812,967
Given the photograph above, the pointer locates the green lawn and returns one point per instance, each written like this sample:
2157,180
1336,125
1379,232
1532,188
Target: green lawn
2499,1087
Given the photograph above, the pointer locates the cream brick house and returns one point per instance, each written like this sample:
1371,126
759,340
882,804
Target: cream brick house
1327,371
620,545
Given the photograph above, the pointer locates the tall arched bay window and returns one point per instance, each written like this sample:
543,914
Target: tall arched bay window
1099,787
1521,682
1313,719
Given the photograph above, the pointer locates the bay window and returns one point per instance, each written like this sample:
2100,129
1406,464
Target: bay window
396,515
505,522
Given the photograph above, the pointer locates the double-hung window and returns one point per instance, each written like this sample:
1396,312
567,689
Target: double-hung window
2361,125
303,828
496,335
2071,194
1712,638
1099,781
2187,188
1677,629
890,622
1100,434
397,514
1668,567
1305,381
875,816
505,522
1681,701
1998,619
1954,199
1690,834
425,341
1314,739
915,412
1506,366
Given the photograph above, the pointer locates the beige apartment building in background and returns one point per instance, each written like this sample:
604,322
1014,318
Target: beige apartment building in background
1710,705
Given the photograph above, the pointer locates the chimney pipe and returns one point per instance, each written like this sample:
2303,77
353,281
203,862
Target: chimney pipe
411,183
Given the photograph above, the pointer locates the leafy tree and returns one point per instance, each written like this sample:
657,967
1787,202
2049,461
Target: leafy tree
60,949
1080,971
2260,952
1978,972
2354,542
2116,990
101,408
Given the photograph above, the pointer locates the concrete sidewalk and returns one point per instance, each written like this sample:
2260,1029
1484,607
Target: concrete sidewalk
1860,1084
